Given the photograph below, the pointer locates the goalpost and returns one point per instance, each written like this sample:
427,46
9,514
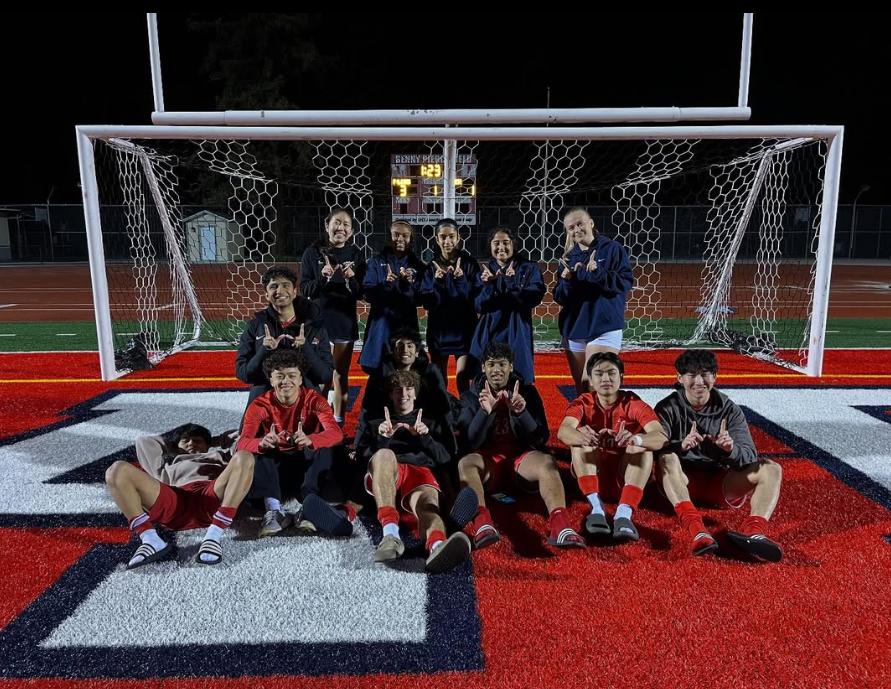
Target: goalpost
729,228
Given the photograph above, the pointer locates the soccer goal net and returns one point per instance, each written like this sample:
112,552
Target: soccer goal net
723,232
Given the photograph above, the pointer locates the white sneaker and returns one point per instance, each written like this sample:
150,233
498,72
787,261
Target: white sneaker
274,522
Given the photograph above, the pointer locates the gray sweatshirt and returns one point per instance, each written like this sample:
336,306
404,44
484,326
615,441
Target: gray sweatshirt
162,461
677,416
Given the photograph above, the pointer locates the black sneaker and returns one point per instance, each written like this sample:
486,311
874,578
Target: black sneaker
326,518
758,545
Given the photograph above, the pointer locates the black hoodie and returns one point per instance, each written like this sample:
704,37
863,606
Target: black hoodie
474,425
336,296
428,450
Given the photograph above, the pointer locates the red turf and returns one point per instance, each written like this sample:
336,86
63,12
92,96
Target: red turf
638,615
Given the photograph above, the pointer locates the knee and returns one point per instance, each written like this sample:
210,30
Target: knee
116,472
469,464
428,500
383,461
670,465
546,464
644,460
582,456
243,461
770,471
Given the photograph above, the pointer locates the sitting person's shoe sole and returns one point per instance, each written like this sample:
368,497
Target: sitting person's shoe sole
450,554
325,517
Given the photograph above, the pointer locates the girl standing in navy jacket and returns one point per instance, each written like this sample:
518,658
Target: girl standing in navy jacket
592,287
331,274
448,291
393,288
509,286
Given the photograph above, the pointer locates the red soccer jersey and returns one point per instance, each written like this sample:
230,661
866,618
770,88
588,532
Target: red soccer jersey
628,407
310,409
501,438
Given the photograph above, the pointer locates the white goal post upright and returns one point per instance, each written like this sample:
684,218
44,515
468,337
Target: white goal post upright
98,278
823,268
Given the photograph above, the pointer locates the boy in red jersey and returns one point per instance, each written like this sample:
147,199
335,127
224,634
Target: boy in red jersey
613,434
291,430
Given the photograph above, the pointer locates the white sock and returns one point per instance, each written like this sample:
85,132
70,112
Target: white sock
273,504
151,537
214,533
436,545
623,511
337,418
596,505
331,397
391,530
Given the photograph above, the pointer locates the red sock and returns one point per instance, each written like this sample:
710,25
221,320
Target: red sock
631,496
754,525
589,484
690,518
433,538
387,515
350,511
559,519
141,523
224,516
482,518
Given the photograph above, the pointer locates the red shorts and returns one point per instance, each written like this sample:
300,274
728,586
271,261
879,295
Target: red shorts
410,478
500,467
609,475
707,486
180,508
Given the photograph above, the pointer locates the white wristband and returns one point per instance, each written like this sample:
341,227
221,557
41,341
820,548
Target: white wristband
638,440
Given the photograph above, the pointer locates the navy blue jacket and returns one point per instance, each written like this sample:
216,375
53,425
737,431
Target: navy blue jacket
336,296
451,311
251,352
394,305
505,305
594,302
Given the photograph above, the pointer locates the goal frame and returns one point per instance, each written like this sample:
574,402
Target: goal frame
86,134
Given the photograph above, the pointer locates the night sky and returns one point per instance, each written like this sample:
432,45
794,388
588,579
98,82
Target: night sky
60,70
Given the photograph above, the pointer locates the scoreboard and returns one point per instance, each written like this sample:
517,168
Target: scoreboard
417,188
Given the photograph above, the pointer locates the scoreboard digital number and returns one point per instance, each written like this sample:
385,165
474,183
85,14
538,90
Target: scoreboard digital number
417,188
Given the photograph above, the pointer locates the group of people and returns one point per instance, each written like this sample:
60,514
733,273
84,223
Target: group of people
421,446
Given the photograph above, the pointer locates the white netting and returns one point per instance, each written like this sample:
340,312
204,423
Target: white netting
553,173
637,219
149,190
722,235
249,235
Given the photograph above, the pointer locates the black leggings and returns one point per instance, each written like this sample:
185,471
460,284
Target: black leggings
278,472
